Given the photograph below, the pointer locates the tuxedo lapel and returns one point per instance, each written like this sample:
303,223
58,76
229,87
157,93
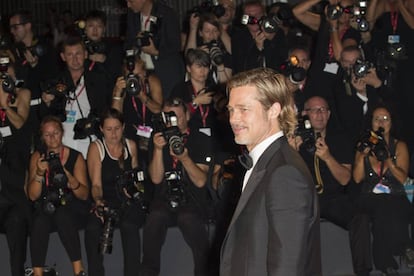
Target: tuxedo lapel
255,178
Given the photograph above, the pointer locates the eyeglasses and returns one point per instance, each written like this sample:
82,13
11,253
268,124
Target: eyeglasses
384,119
317,110
15,26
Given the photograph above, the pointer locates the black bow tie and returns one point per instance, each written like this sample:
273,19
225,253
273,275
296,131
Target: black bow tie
246,160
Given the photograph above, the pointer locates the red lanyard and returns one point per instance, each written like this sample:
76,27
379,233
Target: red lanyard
134,104
146,23
203,113
47,170
330,49
2,116
394,18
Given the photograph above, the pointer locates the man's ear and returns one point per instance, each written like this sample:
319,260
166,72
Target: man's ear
62,56
274,110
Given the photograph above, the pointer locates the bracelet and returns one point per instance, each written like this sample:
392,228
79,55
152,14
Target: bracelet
333,29
116,98
39,178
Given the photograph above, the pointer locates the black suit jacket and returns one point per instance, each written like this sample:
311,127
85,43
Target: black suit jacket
275,227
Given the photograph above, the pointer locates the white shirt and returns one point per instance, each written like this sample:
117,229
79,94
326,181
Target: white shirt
257,151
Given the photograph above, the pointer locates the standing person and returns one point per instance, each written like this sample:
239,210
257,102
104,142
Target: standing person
158,28
57,178
108,161
381,169
278,196
14,160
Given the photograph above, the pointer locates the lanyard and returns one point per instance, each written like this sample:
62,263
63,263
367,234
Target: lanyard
143,107
203,113
47,170
2,116
394,19
380,171
76,97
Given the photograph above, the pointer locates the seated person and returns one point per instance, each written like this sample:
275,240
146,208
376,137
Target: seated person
381,169
57,177
112,163
179,172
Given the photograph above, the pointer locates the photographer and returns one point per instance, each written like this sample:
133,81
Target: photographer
380,167
328,155
103,55
178,168
86,93
154,29
252,45
333,34
357,90
138,95
14,156
109,160
205,34
57,179
203,101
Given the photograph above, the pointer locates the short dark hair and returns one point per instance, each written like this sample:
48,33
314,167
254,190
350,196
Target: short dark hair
111,113
197,56
96,15
72,40
24,15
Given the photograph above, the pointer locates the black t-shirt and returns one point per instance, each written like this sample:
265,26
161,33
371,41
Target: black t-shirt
341,149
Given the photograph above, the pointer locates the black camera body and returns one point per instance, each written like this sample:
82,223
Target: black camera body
133,82
86,127
36,49
176,195
57,193
61,91
133,181
110,217
209,6
293,71
360,12
143,38
376,142
7,84
334,11
268,24
216,54
166,123
361,68
307,133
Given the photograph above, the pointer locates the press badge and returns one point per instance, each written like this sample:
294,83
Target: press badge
331,68
381,189
70,116
393,39
205,130
144,131
5,131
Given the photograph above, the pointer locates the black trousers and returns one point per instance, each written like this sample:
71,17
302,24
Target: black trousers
342,211
191,225
15,225
390,217
65,223
129,223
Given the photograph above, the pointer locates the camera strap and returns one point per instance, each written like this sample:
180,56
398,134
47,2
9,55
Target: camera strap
47,170
319,181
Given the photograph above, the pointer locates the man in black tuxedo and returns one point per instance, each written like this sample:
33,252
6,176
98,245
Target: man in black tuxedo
275,227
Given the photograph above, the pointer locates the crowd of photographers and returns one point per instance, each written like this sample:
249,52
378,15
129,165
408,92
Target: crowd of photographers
134,134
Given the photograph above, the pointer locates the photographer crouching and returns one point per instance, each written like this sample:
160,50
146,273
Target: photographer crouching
57,177
178,168
118,193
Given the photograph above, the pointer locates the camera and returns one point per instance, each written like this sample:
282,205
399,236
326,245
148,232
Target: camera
397,51
57,193
269,24
61,91
86,127
133,182
166,123
4,42
143,38
361,68
306,132
36,49
110,217
293,71
360,12
93,47
210,6
176,192
7,81
216,54
374,140
133,82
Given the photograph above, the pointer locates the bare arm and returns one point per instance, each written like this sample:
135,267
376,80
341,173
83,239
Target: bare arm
302,13
95,173
19,117
400,168
37,170
156,167
154,102
118,95
192,35
78,182
196,172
